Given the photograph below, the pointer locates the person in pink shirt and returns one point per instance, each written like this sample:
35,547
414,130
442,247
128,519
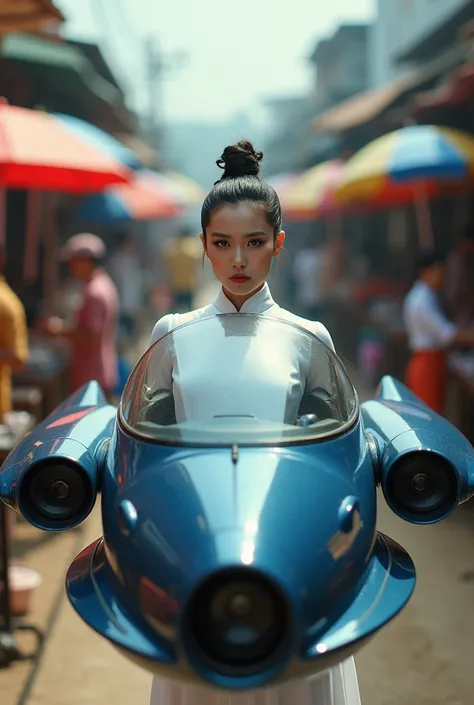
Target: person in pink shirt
93,335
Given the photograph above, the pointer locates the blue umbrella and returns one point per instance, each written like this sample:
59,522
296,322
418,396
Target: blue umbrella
146,197
101,140
102,208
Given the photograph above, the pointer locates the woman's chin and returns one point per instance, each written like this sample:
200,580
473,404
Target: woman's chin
247,288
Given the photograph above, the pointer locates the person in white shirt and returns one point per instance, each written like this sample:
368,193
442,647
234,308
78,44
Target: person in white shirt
430,333
241,234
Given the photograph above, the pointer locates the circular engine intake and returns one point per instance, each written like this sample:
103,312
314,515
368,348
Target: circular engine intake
422,487
237,623
56,494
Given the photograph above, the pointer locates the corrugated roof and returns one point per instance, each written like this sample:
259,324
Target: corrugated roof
361,108
365,106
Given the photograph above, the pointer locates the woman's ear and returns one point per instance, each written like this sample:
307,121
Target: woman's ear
279,240
203,243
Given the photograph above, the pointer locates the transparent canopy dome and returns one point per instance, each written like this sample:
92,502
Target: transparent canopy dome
238,379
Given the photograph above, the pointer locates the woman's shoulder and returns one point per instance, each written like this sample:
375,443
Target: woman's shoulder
314,327
171,321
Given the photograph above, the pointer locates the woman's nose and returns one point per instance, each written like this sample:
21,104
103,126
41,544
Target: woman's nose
239,260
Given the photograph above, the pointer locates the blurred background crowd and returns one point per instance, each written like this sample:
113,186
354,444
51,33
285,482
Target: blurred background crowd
110,124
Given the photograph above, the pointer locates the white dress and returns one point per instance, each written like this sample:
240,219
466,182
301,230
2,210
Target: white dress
337,686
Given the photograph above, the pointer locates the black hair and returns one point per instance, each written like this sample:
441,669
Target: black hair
241,182
426,260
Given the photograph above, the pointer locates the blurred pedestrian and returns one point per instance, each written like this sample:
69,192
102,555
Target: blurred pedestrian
430,333
13,338
125,269
310,281
459,279
181,258
93,334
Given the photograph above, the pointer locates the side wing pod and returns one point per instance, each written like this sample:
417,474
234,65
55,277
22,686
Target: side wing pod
424,464
53,474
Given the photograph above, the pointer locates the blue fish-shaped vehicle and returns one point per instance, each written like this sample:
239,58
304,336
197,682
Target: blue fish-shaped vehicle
239,548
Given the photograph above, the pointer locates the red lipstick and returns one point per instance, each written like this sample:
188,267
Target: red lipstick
240,278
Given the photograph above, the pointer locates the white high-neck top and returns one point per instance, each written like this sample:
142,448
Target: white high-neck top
211,374
261,302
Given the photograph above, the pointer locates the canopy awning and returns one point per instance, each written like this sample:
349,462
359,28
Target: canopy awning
458,89
58,62
29,16
362,107
366,106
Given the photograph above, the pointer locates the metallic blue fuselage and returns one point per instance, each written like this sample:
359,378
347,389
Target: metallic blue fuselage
302,515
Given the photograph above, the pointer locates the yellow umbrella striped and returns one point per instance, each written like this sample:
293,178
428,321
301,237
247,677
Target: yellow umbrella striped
310,195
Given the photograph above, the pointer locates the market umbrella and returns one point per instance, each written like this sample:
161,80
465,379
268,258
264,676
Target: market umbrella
38,151
282,182
97,139
100,140
312,193
411,164
145,197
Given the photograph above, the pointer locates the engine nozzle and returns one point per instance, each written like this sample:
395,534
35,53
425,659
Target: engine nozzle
422,486
56,494
238,622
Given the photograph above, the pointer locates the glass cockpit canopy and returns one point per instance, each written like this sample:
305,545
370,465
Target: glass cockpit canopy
241,379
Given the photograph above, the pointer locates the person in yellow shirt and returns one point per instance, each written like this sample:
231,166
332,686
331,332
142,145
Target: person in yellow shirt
181,257
13,339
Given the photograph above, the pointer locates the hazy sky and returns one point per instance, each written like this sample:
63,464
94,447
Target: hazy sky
236,52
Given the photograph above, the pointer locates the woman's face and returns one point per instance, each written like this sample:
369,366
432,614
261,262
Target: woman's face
240,246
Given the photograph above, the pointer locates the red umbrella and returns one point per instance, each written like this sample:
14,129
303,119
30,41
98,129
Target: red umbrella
37,151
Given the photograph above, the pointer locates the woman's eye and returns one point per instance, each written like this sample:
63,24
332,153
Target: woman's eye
221,243
255,243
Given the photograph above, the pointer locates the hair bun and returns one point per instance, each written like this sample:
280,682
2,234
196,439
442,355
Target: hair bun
240,159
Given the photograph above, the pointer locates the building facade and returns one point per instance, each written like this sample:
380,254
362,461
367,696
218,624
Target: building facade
340,64
406,33
340,69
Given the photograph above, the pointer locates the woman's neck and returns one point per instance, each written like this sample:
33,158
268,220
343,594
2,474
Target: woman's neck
238,301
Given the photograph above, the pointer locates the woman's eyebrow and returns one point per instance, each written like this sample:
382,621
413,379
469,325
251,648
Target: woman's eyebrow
257,232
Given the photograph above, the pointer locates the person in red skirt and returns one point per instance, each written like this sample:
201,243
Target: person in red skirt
430,333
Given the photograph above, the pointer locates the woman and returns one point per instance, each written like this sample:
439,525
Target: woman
241,235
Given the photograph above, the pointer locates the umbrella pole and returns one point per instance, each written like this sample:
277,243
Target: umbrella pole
333,230
3,218
333,265
50,258
423,218
33,215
